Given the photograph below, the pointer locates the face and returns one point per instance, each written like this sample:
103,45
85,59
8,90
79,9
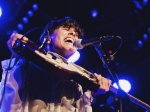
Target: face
63,41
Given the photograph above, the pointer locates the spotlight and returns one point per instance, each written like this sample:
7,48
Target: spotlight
0,11
74,57
30,13
94,13
35,7
124,84
117,63
140,43
9,32
144,2
148,30
20,26
25,20
137,4
14,31
145,37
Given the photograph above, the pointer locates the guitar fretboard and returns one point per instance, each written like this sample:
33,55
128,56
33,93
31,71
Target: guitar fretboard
133,99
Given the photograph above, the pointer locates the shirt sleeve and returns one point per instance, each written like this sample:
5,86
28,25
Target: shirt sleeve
11,100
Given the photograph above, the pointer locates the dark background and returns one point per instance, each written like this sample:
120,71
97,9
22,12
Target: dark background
129,19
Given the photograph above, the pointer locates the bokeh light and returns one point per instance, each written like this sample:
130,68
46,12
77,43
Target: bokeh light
124,84
0,11
144,2
35,7
25,20
30,13
94,13
20,26
139,43
145,37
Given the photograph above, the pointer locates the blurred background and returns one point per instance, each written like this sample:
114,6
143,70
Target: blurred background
129,19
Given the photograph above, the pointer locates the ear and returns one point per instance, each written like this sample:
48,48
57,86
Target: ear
49,43
49,39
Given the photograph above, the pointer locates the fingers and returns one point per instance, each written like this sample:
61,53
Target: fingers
103,82
10,41
13,39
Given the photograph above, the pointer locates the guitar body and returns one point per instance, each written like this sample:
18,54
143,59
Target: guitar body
58,66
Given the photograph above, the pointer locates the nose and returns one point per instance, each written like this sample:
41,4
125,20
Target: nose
73,33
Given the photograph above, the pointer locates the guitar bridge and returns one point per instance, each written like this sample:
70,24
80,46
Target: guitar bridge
56,56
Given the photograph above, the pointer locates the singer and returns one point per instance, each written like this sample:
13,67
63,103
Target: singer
29,89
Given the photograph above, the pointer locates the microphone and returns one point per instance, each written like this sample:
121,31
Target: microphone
81,43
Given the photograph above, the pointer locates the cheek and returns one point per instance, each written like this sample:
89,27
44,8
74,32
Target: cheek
55,40
74,50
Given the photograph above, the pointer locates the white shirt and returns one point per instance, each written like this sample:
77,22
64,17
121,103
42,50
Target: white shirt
17,98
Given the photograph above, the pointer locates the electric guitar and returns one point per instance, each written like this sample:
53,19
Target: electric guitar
55,64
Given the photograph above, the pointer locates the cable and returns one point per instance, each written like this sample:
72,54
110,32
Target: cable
106,62
120,101
119,46
5,80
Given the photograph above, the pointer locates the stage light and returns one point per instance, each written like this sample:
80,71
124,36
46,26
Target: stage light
110,99
20,26
137,4
145,37
0,11
144,2
74,57
110,52
25,20
94,13
14,31
35,7
9,32
140,43
117,63
30,13
148,30
124,84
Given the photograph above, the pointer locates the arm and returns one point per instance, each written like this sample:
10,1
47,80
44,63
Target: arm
104,85
14,84
15,78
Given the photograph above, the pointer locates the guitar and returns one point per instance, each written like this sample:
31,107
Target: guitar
53,63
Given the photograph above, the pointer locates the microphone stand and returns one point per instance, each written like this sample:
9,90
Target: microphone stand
106,61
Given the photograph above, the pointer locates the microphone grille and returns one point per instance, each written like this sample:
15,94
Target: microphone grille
78,44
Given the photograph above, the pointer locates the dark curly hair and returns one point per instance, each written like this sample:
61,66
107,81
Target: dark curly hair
65,22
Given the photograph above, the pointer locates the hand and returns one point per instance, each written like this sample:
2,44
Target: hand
11,42
104,84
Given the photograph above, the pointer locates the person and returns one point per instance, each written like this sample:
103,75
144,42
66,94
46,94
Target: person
30,89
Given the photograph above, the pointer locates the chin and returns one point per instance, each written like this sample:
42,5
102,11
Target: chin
67,55
69,52
65,52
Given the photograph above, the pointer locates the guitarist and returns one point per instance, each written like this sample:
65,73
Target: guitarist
29,89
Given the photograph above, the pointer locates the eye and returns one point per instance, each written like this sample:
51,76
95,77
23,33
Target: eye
66,29
77,34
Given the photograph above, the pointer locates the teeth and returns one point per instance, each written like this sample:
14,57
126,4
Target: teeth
70,39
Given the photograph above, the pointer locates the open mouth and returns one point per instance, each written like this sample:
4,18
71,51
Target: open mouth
69,40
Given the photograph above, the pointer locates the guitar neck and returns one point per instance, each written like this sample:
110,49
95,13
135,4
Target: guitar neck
132,99
68,71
